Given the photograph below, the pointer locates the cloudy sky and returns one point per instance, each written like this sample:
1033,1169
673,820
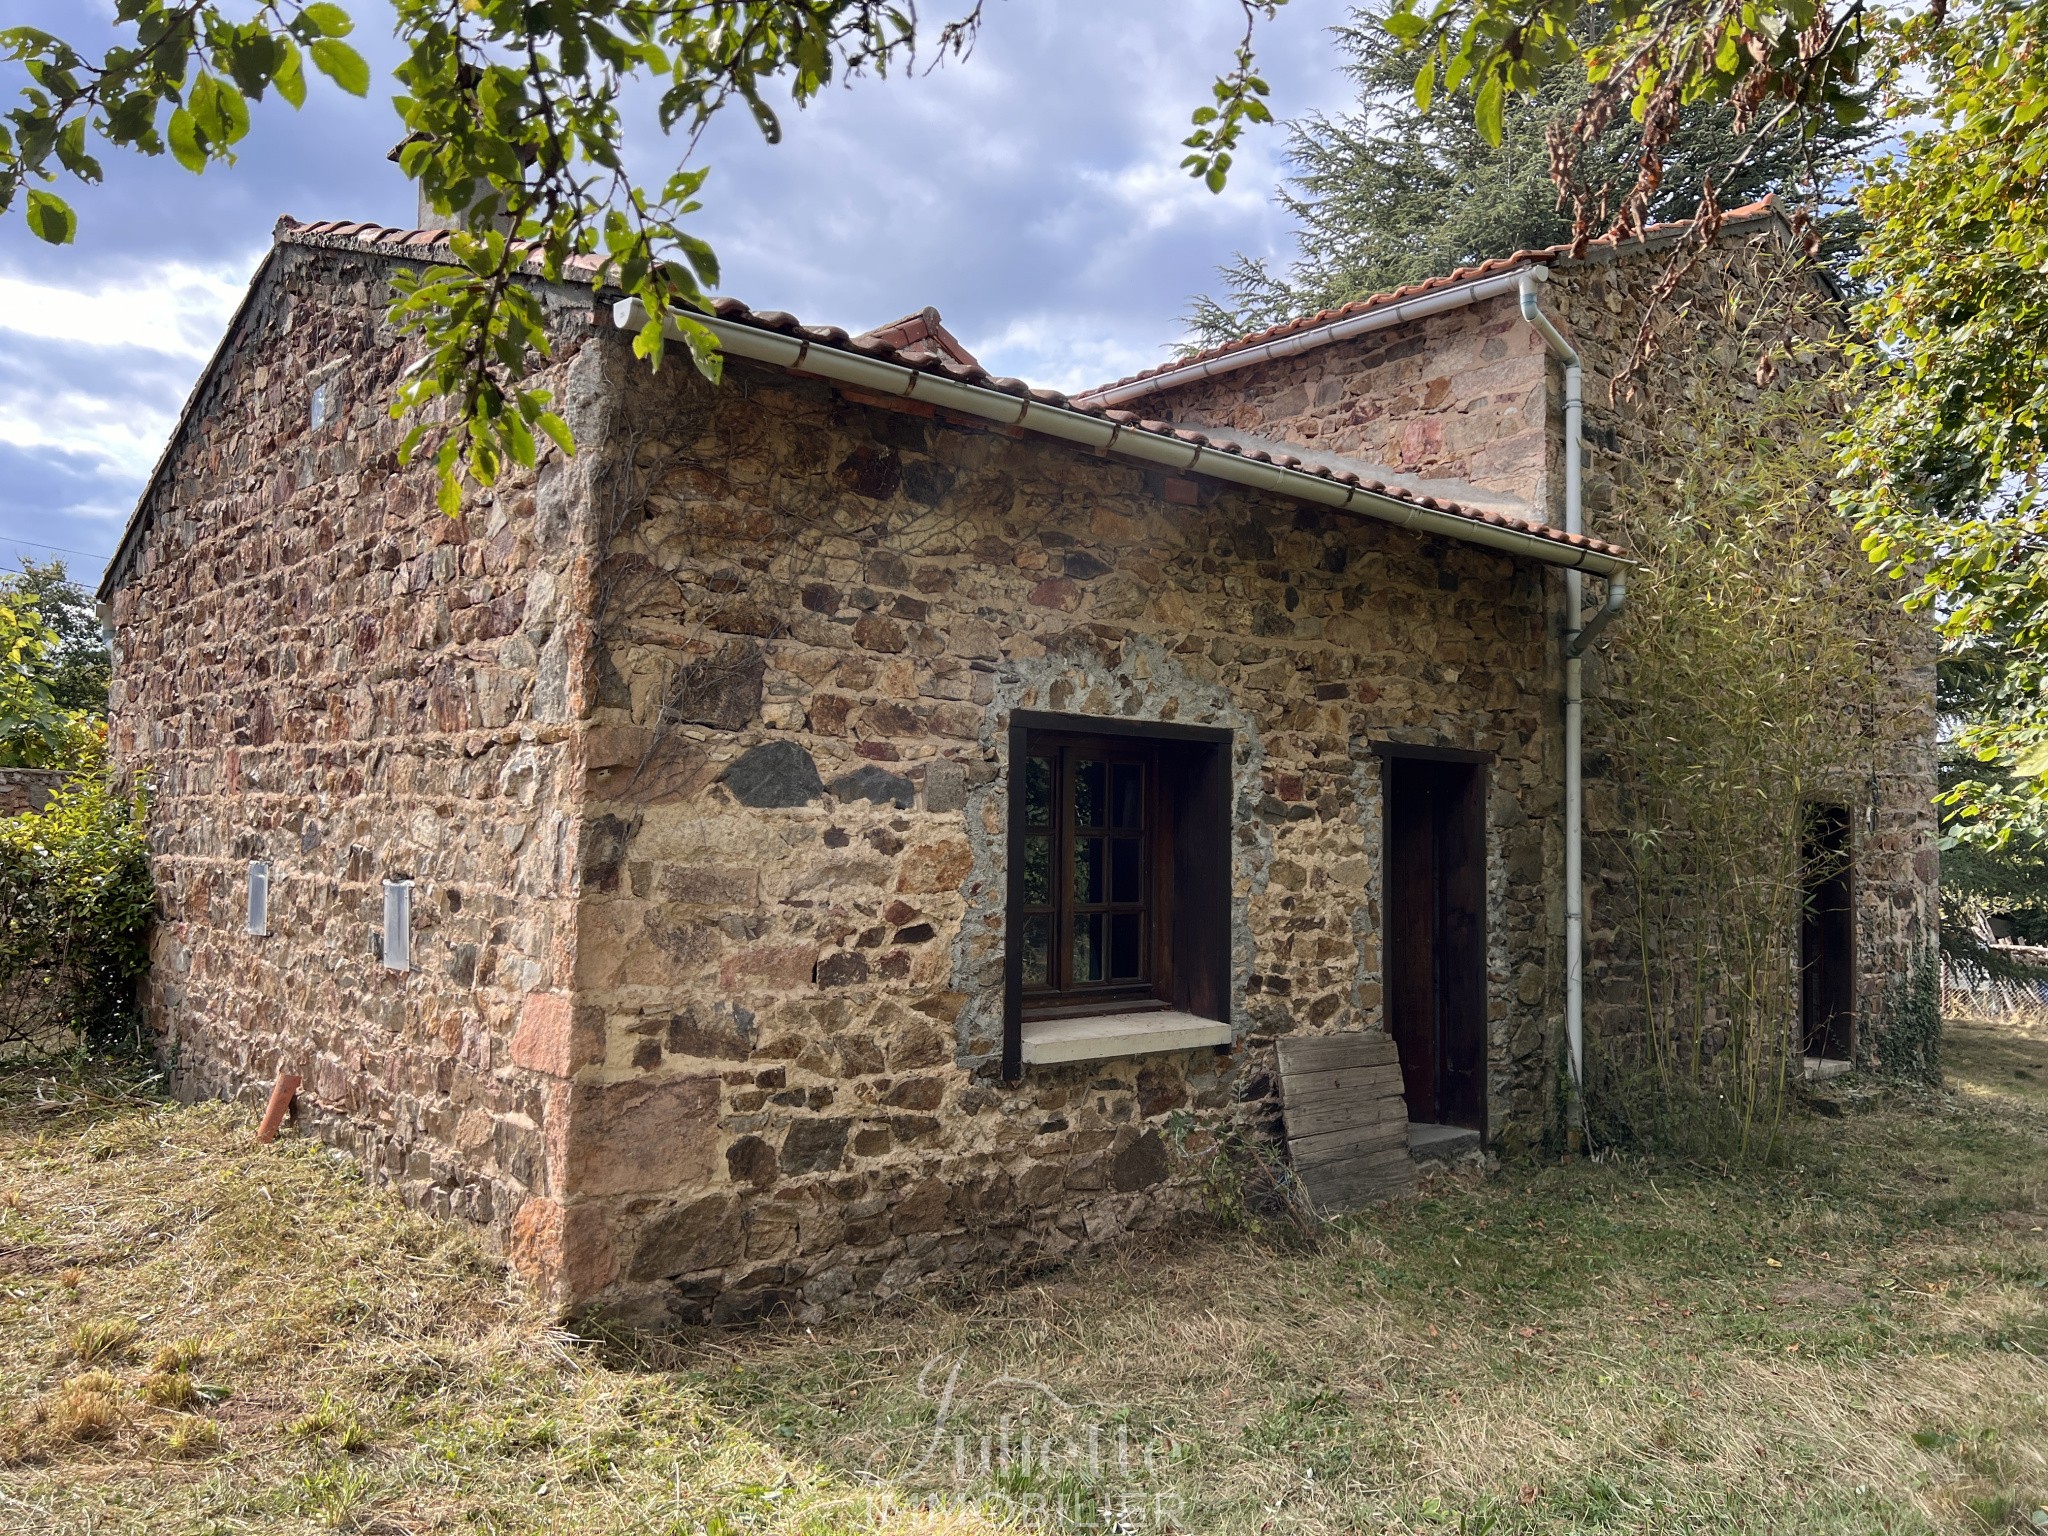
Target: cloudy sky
1031,193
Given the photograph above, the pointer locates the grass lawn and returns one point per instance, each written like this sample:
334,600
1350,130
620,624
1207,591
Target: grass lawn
207,1336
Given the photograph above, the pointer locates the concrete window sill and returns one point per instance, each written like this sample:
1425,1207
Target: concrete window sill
1048,1041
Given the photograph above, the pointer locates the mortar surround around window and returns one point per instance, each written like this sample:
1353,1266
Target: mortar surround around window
1118,909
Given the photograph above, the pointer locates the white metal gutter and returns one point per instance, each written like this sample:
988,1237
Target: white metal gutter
1579,635
1375,319
881,377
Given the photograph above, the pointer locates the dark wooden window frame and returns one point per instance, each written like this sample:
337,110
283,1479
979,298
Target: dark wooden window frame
1187,895
1063,993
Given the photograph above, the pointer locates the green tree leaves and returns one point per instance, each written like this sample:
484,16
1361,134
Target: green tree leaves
511,116
76,899
1384,194
1644,60
50,218
1240,98
74,665
1947,467
36,730
341,64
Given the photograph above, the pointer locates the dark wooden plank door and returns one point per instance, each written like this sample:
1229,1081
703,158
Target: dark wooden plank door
1411,931
1436,937
1827,938
1461,946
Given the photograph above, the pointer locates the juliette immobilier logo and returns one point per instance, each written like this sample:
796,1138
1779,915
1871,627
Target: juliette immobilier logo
1011,1447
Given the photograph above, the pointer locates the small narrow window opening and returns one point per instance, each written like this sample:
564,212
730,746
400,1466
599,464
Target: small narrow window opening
259,899
397,925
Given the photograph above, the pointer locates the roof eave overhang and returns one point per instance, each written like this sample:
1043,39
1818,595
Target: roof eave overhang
1496,284
881,377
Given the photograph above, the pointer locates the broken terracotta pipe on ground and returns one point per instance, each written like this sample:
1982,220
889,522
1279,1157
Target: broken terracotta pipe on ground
281,1096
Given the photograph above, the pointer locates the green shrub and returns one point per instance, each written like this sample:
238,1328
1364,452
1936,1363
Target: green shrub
75,903
36,731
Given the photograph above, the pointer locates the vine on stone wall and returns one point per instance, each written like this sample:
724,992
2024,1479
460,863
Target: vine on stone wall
1750,682
1904,1043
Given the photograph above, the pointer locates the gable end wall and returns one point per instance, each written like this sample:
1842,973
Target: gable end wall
315,668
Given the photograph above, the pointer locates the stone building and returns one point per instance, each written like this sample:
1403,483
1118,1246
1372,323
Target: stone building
27,789
867,819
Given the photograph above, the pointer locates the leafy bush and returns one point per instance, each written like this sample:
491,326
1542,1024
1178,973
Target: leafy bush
75,903
36,730
76,664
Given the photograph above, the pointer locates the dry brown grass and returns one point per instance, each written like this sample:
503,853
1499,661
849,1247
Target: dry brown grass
1852,1344
317,1358
86,1407
101,1338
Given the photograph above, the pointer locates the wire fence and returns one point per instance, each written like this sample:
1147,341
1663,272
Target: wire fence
1994,999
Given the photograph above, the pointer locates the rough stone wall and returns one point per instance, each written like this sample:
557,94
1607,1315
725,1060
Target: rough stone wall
1469,394
27,789
314,667
811,633
1461,395
1635,431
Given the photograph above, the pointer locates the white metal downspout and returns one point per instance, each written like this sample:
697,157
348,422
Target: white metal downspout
1578,635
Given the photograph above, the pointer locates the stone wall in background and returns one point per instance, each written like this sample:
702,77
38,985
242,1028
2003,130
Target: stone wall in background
1470,394
812,632
317,669
1460,395
27,789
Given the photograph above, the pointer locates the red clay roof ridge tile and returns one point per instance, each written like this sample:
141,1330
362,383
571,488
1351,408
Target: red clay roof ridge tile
922,332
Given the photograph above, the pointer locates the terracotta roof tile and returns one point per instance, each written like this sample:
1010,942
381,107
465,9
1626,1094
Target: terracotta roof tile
927,354
920,334
1548,255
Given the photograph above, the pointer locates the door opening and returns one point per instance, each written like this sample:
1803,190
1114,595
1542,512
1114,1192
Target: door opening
1436,936
1827,937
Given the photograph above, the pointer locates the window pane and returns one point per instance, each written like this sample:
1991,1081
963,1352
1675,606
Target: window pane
1088,947
1038,792
1037,871
1090,793
1126,882
1088,870
1127,795
1123,947
1037,951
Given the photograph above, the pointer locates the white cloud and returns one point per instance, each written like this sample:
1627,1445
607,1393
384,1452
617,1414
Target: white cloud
1052,351
177,308
112,358
119,434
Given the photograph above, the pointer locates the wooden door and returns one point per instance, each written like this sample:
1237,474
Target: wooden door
1827,937
1436,936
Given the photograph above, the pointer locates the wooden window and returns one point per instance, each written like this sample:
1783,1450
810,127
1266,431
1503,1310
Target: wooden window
1087,922
1119,882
